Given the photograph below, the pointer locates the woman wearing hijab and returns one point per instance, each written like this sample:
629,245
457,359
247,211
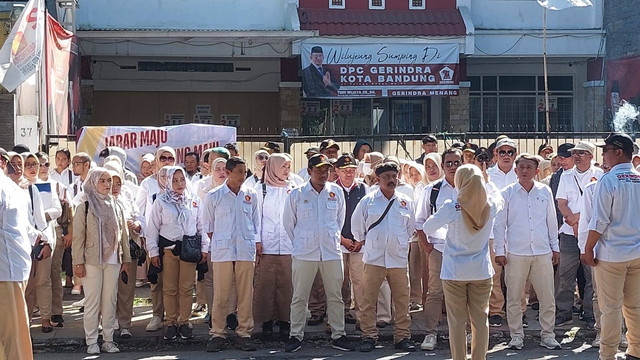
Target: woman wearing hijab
361,148
146,167
370,161
99,256
174,215
432,168
466,264
260,158
216,177
38,291
273,289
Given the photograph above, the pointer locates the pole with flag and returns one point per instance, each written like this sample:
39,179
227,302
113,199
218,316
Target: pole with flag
553,5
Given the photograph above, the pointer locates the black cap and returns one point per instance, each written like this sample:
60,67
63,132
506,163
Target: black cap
312,150
387,166
564,150
4,155
481,150
273,146
318,160
325,144
458,144
621,141
470,147
104,153
429,139
21,148
316,50
345,161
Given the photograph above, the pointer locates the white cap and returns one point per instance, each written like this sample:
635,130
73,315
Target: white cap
584,146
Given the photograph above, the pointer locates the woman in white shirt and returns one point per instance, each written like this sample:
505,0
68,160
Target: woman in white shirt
273,288
466,264
432,168
260,158
176,214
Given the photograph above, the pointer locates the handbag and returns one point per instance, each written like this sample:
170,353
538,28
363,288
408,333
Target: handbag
137,252
191,248
65,218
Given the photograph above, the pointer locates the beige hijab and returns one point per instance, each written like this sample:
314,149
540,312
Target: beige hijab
104,209
472,197
274,164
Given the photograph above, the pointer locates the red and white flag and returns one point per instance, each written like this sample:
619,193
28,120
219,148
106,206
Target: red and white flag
21,53
564,4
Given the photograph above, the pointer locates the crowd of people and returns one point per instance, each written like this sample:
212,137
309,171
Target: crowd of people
355,237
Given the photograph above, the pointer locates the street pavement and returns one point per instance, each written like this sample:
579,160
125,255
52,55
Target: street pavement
68,342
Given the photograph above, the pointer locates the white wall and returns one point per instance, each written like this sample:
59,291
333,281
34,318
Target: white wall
184,14
528,14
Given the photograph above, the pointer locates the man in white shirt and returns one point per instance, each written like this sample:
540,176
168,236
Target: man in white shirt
613,248
16,240
526,243
303,173
569,196
500,175
313,218
232,219
384,222
433,197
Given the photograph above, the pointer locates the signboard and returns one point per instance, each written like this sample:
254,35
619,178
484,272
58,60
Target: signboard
332,69
230,119
553,104
173,119
309,108
26,131
203,109
342,107
139,140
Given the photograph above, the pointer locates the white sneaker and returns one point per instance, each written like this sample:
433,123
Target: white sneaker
125,334
155,324
79,303
140,283
110,347
516,343
75,291
550,343
429,342
623,341
93,349
596,341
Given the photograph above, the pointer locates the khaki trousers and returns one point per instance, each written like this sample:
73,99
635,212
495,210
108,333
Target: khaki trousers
207,283
273,289
57,291
100,296
177,288
157,300
384,311
618,288
38,290
317,298
201,292
468,300
415,273
15,339
424,257
538,269
433,304
302,274
126,292
223,274
399,283
353,267
496,301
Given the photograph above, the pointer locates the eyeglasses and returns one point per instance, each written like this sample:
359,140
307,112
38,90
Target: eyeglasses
504,153
263,157
581,153
45,165
449,164
167,158
31,165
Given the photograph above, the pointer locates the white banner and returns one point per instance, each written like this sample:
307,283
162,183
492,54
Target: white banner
563,4
21,53
139,140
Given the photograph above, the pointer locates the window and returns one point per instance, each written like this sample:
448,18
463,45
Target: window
416,4
376,4
336,4
516,103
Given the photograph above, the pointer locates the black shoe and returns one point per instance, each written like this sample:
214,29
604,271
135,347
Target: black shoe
244,344
57,321
525,323
315,320
405,345
591,322
232,322
381,324
285,328
368,344
535,306
562,321
47,329
495,320
575,310
292,345
216,344
342,343
186,332
267,330
171,332
349,318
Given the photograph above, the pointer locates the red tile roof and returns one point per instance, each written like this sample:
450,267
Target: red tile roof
383,22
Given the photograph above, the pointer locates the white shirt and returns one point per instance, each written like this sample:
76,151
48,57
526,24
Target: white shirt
501,179
275,240
527,224
466,256
304,174
314,222
571,187
586,213
36,214
51,206
203,186
615,214
447,192
63,178
251,181
387,244
295,179
163,221
144,200
234,221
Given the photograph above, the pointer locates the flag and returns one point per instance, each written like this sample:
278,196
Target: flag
60,48
563,4
21,53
